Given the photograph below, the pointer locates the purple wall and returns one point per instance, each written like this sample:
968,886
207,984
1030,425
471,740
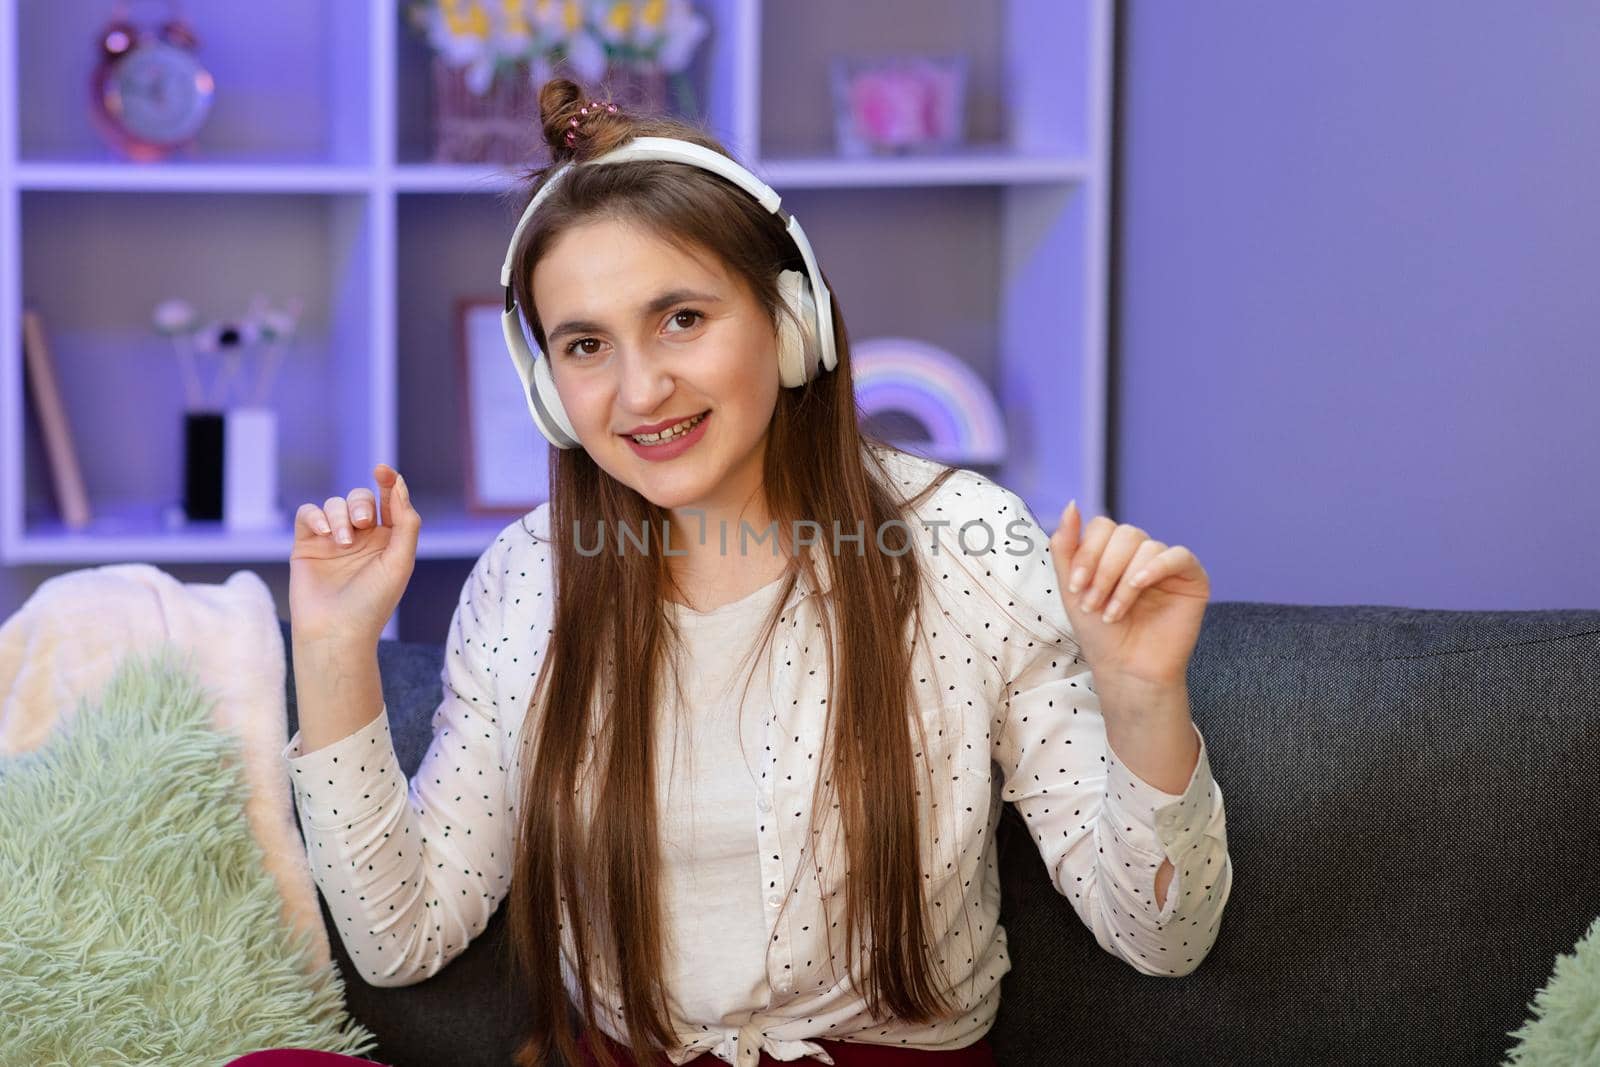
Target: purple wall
1358,287
1358,293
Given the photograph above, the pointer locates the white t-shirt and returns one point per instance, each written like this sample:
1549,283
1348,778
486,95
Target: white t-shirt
708,774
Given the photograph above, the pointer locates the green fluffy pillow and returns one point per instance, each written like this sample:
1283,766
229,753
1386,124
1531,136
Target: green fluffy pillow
138,923
1565,1025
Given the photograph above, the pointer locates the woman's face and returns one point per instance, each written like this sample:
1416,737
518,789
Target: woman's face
642,334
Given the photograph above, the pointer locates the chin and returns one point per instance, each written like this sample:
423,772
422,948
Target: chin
676,488
669,493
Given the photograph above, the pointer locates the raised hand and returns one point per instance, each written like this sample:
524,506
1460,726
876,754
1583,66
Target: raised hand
351,561
1135,603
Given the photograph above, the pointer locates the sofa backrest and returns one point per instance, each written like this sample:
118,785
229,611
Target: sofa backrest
1411,800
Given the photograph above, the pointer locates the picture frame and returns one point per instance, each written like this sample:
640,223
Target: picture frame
899,104
506,460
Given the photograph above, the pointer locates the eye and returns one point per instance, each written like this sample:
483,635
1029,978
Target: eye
695,317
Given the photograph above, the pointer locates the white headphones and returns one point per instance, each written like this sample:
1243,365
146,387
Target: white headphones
800,351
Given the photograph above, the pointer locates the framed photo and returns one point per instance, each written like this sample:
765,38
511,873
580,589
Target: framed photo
507,460
899,104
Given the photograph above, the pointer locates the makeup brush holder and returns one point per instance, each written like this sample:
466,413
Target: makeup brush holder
202,465
231,468
250,470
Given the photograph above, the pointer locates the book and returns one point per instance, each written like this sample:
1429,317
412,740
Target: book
65,475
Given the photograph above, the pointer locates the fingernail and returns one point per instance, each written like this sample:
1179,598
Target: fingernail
345,538
360,514
1111,610
1079,576
323,527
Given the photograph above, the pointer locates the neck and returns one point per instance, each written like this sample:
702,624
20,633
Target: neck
706,540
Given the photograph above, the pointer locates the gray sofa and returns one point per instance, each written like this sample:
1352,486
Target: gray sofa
1413,816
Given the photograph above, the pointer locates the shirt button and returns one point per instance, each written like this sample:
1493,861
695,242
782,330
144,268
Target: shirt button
763,803
774,900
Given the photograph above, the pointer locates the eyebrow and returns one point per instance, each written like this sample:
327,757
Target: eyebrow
654,307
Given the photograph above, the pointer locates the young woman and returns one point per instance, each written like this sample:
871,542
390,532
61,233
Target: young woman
728,722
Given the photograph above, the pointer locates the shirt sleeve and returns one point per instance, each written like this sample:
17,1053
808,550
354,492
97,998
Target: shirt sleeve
1102,831
413,870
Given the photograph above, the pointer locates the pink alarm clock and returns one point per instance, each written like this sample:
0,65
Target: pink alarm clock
149,94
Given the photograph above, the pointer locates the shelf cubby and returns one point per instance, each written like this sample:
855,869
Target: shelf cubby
314,177
293,82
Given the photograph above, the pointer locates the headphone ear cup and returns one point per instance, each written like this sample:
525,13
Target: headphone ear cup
798,351
545,402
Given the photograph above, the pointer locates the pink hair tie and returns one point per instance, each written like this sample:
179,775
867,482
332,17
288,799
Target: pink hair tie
572,134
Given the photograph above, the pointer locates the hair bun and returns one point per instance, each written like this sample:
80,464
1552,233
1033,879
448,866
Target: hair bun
575,124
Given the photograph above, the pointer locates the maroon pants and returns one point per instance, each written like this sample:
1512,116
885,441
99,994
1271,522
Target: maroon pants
844,1053
298,1057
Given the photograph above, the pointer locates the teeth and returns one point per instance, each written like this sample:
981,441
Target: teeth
669,433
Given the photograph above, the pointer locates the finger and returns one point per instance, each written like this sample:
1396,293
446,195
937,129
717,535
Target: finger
385,476
363,508
339,516
1120,547
1174,562
310,518
1086,559
1064,541
1127,590
407,522
1150,571
1065,537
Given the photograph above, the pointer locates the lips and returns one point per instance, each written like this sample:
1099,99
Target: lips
657,427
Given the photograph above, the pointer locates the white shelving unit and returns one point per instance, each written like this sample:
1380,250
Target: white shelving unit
315,181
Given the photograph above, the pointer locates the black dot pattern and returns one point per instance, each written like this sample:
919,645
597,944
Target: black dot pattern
1006,710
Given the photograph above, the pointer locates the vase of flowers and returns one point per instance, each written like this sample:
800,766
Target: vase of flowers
489,59
488,126
230,432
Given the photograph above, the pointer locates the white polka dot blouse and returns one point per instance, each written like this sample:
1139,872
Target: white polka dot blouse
413,869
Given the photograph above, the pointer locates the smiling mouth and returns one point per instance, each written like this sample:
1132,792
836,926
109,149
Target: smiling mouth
671,433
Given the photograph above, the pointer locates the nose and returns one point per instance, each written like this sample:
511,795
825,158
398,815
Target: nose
643,383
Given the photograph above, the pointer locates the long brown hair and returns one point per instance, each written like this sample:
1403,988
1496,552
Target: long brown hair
594,871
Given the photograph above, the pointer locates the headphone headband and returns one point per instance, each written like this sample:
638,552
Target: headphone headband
670,149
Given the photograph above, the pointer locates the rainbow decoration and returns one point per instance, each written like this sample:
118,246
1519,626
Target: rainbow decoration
944,395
